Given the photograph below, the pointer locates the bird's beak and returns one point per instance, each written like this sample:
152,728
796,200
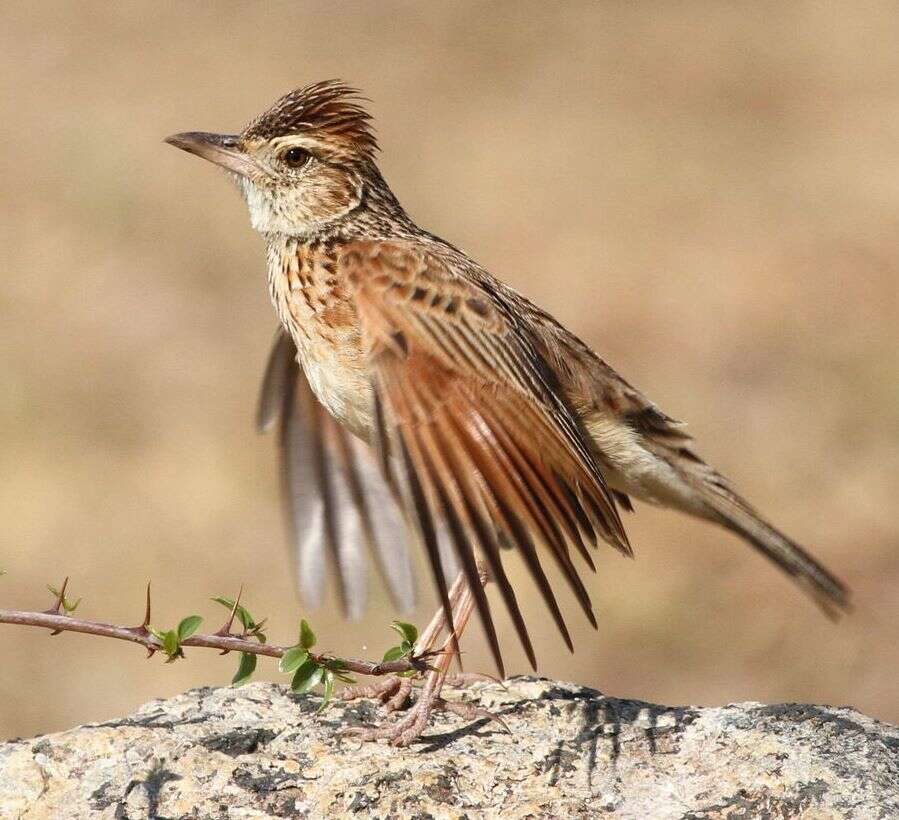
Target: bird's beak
222,149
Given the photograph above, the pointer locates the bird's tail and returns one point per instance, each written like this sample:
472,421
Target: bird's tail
721,504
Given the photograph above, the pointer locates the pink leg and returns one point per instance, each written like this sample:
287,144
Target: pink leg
394,691
409,728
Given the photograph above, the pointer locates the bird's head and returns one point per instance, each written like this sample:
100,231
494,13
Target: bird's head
302,164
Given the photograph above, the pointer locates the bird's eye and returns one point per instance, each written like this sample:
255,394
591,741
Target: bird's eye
295,157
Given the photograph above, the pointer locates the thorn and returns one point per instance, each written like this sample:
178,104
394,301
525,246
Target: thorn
236,604
62,594
54,610
226,628
146,621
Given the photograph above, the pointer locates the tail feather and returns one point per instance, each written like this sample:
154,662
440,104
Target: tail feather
648,455
729,510
689,484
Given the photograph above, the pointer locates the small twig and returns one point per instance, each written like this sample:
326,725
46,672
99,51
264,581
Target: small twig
229,643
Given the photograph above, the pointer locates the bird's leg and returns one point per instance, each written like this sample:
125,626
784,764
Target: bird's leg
395,691
410,727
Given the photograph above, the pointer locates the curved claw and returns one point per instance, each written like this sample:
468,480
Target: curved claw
468,711
463,679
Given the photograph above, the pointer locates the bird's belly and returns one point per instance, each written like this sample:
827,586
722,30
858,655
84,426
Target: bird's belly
339,381
314,308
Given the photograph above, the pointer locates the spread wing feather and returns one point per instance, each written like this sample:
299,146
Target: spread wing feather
336,500
487,444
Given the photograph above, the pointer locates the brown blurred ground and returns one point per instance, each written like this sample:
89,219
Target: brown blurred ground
708,194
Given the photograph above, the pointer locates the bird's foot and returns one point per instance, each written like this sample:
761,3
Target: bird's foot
394,692
413,723
410,726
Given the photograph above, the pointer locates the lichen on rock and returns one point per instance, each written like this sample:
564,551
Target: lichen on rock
261,752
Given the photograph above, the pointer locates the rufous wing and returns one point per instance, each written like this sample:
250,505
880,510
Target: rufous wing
471,415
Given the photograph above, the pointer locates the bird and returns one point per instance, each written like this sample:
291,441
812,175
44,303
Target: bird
415,392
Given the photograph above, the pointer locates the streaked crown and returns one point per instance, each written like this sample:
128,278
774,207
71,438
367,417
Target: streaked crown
330,111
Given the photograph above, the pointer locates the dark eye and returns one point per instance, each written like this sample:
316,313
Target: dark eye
295,157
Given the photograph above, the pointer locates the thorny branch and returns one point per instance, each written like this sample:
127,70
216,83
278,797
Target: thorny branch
416,657
222,640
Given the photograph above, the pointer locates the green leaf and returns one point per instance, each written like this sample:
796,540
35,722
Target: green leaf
256,631
328,690
188,626
307,636
241,612
338,667
394,653
306,677
170,644
251,627
66,604
245,668
408,632
293,659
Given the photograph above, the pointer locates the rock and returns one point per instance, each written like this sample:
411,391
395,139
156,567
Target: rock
261,752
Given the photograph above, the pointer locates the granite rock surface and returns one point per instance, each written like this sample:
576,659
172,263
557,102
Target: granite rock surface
261,752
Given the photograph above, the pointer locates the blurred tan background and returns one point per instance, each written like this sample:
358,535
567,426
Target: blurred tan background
707,193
